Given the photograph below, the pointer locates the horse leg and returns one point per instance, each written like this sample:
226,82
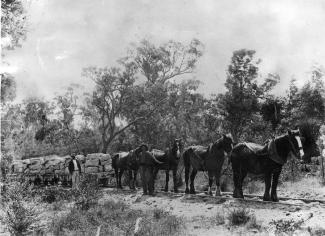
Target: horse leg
187,173
135,172
175,179
237,178
242,177
131,181
274,196
143,179
218,188
155,172
167,180
210,185
267,180
119,178
193,174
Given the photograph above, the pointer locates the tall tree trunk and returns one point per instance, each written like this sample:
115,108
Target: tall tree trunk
105,147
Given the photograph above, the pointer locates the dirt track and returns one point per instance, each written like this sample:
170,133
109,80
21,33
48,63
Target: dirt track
199,210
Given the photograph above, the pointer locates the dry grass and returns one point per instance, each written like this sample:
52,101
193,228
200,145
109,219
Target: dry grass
317,231
286,226
218,219
115,218
309,185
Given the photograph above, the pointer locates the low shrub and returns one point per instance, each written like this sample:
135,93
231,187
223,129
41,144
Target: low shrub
286,226
158,213
20,208
88,192
252,223
291,171
239,216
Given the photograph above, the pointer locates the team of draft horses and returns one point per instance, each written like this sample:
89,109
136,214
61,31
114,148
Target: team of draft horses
244,157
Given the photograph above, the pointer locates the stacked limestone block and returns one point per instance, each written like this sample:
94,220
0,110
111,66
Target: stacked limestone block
54,165
35,166
106,162
92,163
19,166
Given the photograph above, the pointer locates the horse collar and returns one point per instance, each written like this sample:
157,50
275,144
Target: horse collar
273,153
293,147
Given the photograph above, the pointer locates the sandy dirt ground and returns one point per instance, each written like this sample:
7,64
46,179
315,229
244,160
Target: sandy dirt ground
200,211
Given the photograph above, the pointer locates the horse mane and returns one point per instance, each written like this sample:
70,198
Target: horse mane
217,143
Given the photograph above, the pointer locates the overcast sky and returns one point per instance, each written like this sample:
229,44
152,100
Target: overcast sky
65,36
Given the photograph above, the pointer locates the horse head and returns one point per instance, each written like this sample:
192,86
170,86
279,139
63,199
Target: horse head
225,143
177,147
295,141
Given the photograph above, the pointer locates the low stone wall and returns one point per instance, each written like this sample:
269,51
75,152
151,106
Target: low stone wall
53,164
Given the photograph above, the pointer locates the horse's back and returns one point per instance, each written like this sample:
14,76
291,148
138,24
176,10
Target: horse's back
198,149
157,152
118,159
244,157
242,148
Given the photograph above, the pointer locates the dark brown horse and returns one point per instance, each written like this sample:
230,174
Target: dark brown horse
206,159
169,161
267,160
126,161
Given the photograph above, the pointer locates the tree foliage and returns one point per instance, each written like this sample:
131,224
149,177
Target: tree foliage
13,24
241,101
8,88
110,99
147,99
160,64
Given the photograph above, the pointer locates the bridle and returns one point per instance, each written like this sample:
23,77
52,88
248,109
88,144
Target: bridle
177,148
295,150
222,142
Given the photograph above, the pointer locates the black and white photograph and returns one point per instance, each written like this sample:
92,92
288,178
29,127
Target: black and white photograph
154,118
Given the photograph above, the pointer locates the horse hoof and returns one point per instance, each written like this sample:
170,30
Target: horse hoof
187,191
274,199
266,198
192,191
237,195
